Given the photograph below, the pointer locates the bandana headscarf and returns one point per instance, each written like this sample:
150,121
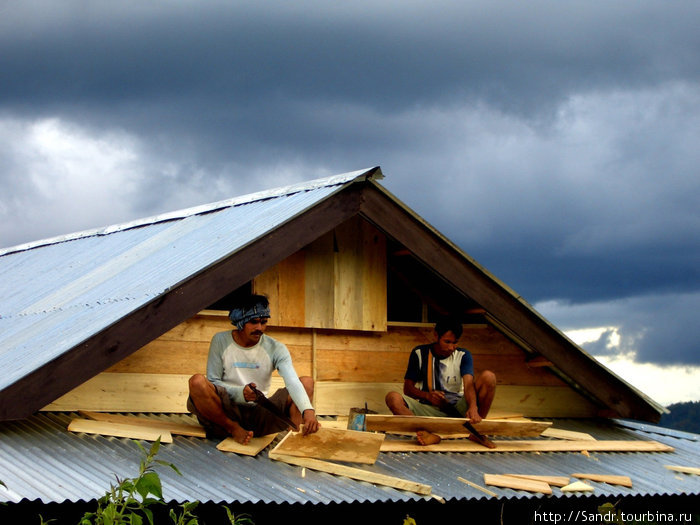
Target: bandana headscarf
240,316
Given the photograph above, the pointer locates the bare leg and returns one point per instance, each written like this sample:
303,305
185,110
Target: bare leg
394,401
485,391
205,398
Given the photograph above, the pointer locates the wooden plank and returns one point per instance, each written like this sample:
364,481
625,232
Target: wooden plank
577,486
319,282
354,473
529,485
332,443
454,425
625,481
543,445
252,448
477,487
182,429
122,430
132,392
557,481
108,392
684,470
559,433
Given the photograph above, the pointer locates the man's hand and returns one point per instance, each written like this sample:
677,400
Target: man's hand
248,393
309,422
473,414
437,398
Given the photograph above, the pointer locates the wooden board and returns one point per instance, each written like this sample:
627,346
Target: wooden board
354,473
454,425
577,486
182,429
684,470
332,443
557,481
543,445
132,392
252,448
119,430
477,487
559,433
509,482
625,481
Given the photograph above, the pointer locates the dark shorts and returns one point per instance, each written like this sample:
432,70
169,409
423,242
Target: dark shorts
251,417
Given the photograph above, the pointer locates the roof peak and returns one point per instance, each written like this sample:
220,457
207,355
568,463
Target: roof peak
374,173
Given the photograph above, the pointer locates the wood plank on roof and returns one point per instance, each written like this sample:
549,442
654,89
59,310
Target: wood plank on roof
557,481
509,482
182,429
454,425
684,469
354,473
334,444
543,445
610,479
122,430
252,448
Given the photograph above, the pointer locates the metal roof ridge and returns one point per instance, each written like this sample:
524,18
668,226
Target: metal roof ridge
373,173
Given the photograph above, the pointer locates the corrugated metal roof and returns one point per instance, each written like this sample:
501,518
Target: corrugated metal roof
96,278
41,460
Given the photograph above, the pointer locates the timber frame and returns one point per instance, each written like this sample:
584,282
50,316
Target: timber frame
503,308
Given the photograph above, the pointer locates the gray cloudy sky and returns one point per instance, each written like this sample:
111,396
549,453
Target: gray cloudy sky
555,142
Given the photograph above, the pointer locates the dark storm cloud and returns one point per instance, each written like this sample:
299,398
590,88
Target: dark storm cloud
556,142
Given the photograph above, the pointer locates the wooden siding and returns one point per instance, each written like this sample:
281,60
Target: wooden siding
350,368
338,281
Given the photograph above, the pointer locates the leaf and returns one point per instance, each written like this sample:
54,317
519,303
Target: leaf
135,519
149,483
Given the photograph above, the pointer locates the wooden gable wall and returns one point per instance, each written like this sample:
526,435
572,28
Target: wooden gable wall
329,306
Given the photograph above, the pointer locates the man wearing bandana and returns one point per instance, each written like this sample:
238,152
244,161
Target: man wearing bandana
223,400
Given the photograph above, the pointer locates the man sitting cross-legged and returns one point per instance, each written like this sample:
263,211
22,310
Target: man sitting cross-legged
439,381
223,400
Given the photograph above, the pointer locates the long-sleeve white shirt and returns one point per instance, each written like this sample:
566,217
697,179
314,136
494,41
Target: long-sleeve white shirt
233,366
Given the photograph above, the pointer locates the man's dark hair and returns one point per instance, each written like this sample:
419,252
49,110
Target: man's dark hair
448,324
253,300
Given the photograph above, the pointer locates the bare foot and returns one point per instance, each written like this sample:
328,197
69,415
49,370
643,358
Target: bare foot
427,438
241,435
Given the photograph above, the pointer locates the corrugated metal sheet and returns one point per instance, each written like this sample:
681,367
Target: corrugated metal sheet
41,460
83,285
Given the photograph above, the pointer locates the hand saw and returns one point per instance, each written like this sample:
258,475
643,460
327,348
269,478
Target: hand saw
475,436
264,402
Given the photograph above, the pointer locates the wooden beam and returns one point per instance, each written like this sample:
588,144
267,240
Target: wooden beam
529,485
477,487
252,448
123,430
182,429
625,481
354,473
454,425
334,444
114,343
684,470
571,435
577,486
557,481
400,445
473,281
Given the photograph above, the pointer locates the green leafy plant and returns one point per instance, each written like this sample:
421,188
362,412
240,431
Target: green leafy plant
129,502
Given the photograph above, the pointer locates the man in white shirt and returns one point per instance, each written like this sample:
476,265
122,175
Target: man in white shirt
223,400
